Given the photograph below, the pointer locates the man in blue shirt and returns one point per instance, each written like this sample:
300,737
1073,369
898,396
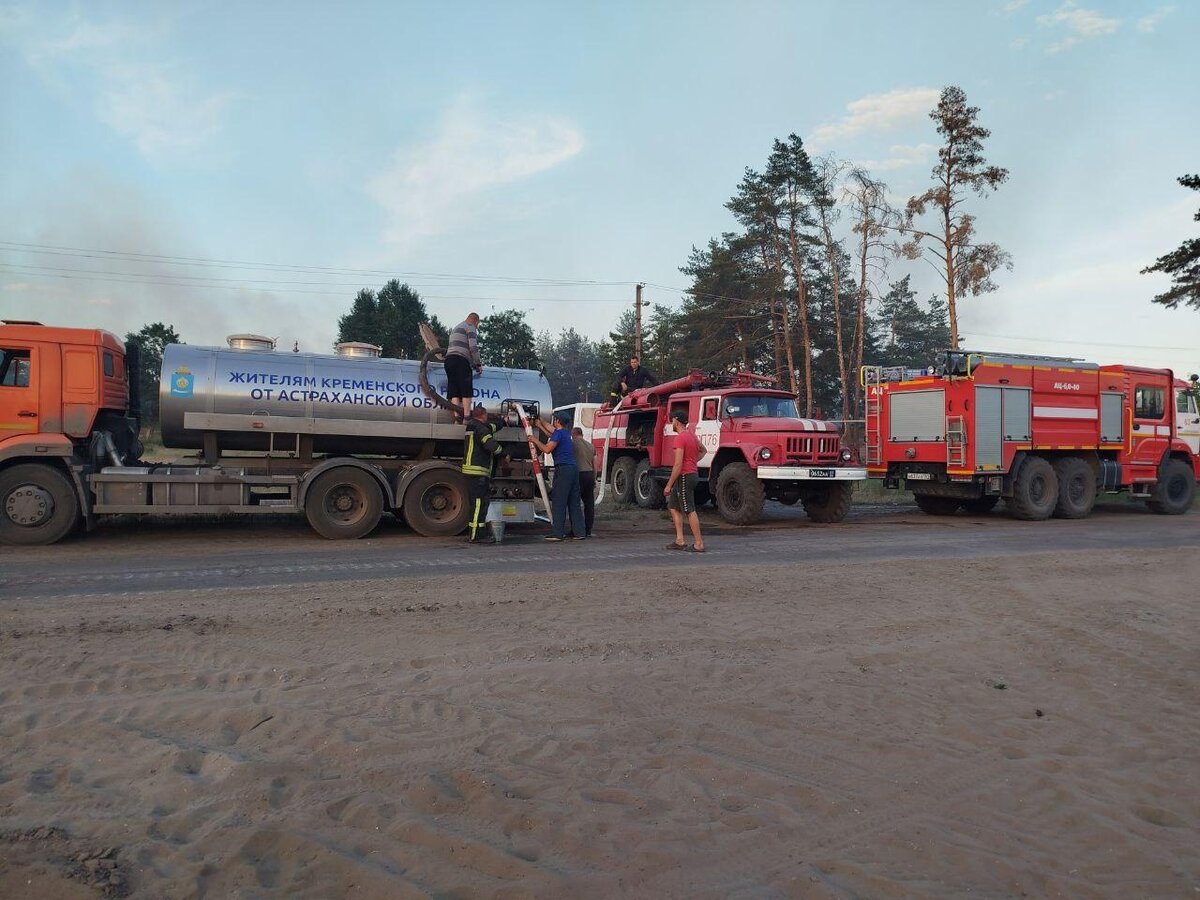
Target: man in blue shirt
564,493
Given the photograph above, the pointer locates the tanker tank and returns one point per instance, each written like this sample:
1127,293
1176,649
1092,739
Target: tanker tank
349,403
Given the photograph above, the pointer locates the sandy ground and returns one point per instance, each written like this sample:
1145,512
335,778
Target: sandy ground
998,727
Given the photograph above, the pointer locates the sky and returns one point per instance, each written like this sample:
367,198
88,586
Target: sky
247,167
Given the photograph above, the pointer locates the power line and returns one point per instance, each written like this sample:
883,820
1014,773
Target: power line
158,281
135,256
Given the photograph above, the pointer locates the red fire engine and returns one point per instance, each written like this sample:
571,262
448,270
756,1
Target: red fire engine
1047,434
757,447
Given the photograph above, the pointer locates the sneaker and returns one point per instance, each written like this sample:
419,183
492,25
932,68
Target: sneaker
577,538
553,538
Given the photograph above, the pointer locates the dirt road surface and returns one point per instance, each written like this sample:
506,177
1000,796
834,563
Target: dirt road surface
899,706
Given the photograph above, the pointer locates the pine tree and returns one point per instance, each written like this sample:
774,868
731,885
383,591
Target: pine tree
965,265
505,339
1182,264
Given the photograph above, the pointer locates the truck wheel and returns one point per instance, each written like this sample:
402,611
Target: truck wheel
981,505
739,494
38,505
435,504
1175,490
622,478
933,505
647,492
1076,488
830,503
343,504
1035,490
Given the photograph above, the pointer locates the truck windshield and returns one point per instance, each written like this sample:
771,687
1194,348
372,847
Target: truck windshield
743,405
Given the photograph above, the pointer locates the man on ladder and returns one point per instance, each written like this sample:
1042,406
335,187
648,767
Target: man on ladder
481,450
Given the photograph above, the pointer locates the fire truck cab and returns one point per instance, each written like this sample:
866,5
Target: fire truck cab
757,448
1046,434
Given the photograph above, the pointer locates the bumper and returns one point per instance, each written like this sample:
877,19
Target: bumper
811,473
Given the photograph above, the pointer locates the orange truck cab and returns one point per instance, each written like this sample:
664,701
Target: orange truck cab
64,412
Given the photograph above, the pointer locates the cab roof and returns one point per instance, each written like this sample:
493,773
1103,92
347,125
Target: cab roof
33,332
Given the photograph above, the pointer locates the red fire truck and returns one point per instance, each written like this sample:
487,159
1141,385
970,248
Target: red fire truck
1046,434
757,448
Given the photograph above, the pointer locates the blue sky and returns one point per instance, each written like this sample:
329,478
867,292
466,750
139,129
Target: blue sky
574,142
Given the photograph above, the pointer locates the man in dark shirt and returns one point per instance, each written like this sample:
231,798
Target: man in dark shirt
585,459
564,493
681,486
480,452
631,378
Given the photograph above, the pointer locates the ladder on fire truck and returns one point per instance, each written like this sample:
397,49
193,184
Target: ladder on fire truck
956,442
870,378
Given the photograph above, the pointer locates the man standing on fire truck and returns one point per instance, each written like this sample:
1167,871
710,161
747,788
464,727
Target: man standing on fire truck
631,378
481,450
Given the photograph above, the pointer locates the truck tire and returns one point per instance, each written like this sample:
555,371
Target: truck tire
937,506
1175,490
344,504
38,505
981,505
622,478
647,492
830,503
739,494
1035,490
435,503
1076,488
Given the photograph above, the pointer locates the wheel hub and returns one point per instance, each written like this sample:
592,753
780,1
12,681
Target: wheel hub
344,503
29,505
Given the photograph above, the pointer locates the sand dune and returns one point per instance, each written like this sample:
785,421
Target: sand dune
1017,727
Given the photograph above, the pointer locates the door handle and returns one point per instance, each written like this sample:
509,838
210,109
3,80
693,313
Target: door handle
27,414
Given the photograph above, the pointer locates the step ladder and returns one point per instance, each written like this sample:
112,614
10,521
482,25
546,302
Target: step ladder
956,442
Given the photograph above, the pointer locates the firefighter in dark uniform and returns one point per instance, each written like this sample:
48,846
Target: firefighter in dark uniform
481,450
631,378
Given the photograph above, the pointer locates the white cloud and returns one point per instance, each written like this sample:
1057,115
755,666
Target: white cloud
430,188
119,66
1078,23
900,156
876,112
1148,23
1013,5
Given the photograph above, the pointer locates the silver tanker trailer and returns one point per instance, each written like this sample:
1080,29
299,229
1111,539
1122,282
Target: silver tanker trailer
343,438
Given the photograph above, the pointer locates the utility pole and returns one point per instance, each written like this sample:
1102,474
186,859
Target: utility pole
637,328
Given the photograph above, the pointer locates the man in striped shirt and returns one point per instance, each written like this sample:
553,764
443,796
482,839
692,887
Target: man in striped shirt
462,358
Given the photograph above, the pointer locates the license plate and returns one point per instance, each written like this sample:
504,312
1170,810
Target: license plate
919,476
822,473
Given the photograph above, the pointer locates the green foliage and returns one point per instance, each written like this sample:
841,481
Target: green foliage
907,333
1182,264
572,365
505,339
391,320
151,340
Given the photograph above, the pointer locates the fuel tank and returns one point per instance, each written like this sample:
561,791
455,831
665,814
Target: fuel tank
351,403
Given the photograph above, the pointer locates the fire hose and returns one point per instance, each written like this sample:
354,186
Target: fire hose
604,452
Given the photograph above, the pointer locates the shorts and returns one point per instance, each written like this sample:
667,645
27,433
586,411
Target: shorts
459,381
683,494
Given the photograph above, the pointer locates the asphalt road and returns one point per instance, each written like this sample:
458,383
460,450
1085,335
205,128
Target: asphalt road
129,557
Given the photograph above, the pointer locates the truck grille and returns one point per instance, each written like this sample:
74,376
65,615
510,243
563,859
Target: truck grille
812,448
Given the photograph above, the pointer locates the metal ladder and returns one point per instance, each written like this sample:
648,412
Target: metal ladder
956,442
871,377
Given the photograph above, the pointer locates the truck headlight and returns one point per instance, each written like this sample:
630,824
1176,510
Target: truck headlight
764,453
846,454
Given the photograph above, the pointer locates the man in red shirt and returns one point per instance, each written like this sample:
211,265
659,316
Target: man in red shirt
681,486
